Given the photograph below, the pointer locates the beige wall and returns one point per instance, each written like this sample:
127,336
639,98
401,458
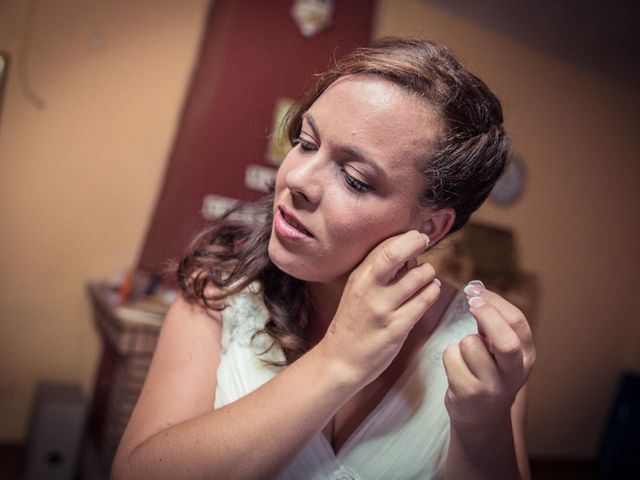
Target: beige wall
78,179
577,225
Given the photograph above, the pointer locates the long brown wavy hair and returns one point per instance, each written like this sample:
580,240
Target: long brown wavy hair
472,152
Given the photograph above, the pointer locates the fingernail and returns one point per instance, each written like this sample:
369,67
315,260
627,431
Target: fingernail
437,282
427,240
476,302
412,262
474,288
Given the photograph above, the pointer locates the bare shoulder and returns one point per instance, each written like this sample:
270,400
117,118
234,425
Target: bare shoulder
184,311
181,382
189,331
184,324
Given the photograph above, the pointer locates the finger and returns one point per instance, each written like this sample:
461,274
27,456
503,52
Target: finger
503,342
411,263
415,307
461,380
478,359
513,315
510,312
404,288
392,254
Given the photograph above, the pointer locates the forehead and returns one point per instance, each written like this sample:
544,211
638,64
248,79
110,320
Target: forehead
375,115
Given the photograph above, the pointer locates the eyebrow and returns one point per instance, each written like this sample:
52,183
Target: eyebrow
348,149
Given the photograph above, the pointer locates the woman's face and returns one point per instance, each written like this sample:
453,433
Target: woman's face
350,181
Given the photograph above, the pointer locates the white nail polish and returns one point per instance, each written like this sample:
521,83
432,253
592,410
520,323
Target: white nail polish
474,288
476,302
427,240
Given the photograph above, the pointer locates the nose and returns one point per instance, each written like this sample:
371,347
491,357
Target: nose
304,182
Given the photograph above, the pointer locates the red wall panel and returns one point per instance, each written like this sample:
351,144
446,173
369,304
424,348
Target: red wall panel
252,53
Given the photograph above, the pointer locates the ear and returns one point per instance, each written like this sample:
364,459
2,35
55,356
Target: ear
437,223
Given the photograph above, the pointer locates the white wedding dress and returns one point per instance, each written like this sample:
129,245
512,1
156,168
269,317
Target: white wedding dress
405,437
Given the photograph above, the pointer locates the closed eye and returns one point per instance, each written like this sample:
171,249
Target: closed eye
305,145
354,183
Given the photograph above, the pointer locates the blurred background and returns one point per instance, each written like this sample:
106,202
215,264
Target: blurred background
124,124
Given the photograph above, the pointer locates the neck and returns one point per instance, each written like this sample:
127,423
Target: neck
324,299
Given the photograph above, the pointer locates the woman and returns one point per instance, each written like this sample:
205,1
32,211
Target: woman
326,349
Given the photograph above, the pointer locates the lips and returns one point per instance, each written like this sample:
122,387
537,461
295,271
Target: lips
293,221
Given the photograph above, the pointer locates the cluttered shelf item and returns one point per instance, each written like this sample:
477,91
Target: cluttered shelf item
128,324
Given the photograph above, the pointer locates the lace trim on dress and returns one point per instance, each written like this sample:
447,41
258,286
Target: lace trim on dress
244,315
344,473
457,324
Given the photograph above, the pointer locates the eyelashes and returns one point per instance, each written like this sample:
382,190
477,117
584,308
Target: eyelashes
304,145
353,183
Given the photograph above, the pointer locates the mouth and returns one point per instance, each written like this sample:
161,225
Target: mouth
293,221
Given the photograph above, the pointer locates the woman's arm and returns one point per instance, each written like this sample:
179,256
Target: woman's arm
174,433
486,399
497,452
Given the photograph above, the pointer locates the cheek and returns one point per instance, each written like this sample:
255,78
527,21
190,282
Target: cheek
357,231
363,225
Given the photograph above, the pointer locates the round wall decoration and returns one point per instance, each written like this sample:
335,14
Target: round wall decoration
510,185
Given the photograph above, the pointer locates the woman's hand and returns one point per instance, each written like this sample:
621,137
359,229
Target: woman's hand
383,299
486,370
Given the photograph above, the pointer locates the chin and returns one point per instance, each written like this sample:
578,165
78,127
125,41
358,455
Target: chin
290,265
294,265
